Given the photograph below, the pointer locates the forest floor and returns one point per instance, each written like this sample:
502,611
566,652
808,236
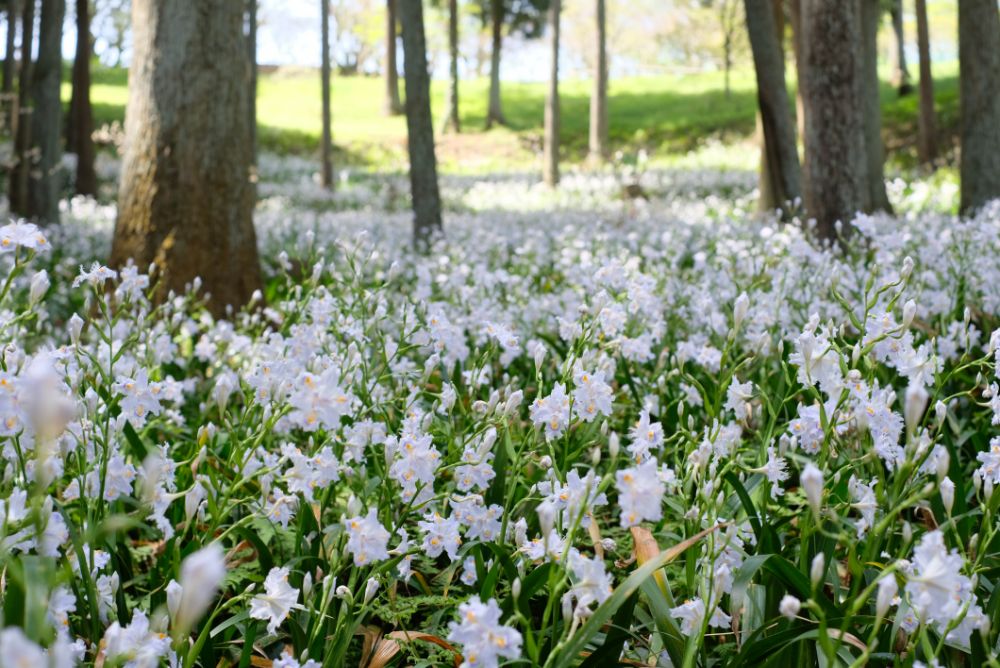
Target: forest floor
666,116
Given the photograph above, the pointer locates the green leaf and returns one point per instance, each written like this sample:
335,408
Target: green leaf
576,644
615,640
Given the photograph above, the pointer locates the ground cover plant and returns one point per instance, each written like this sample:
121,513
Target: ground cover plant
586,431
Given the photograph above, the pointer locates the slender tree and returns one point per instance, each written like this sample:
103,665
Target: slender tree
186,197
552,120
599,96
22,136
452,119
979,91
781,177
45,179
419,126
79,138
13,15
795,18
494,112
900,72
326,149
871,14
252,55
836,180
926,132
393,107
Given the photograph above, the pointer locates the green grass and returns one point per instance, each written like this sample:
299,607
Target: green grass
667,115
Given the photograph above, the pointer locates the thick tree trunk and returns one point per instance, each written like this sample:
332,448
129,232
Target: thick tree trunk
551,142
327,139
494,112
871,14
45,181
419,126
979,72
781,176
81,123
393,107
599,96
252,55
926,131
836,179
452,119
22,138
186,199
900,72
13,15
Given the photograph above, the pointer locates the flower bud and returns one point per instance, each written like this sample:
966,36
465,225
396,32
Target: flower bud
740,310
817,569
887,589
947,489
370,589
916,402
613,445
75,326
909,311
789,606
812,484
40,284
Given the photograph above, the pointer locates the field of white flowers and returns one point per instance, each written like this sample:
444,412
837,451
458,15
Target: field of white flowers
582,430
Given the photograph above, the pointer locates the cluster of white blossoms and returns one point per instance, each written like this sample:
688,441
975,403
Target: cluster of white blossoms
479,447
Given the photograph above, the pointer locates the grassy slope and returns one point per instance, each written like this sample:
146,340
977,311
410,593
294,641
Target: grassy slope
666,114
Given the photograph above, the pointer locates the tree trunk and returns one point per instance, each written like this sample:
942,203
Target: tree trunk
22,140
327,139
795,17
45,181
494,112
781,177
900,72
551,142
419,126
186,199
393,107
836,179
10,65
252,55
926,132
871,13
979,94
452,119
81,124
599,96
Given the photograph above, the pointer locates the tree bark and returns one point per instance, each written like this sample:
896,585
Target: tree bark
494,112
393,107
926,131
781,176
900,72
836,179
979,95
551,142
599,96
80,139
13,15
452,119
419,126
45,180
871,14
795,18
327,139
186,198
252,55
22,138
